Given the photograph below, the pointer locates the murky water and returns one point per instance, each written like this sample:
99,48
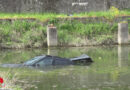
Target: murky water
110,70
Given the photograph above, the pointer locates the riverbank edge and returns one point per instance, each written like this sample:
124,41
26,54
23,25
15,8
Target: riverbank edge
84,42
21,46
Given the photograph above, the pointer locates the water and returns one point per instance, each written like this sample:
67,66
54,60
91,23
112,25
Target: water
110,70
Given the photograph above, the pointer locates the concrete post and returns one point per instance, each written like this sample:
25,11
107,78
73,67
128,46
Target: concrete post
123,33
51,36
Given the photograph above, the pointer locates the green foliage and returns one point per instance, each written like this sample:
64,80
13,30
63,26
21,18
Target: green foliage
25,32
70,30
129,27
114,11
45,16
33,33
79,28
30,33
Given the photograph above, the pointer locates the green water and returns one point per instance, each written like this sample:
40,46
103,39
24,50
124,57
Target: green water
110,70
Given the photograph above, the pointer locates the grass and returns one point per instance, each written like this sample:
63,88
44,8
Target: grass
42,17
45,16
73,31
16,78
21,32
103,13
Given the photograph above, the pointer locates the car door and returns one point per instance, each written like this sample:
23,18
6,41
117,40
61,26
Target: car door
61,61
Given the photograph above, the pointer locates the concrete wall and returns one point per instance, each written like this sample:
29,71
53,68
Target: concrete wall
120,4
62,6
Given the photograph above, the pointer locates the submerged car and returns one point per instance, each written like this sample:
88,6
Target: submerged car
48,60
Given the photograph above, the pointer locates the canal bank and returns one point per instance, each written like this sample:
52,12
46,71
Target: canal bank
74,31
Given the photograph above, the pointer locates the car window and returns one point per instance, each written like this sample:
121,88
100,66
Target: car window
33,60
46,61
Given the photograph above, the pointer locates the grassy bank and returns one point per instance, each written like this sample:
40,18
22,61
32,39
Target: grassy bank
26,33
21,34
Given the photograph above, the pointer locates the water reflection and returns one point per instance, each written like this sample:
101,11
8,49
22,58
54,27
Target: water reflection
123,53
52,51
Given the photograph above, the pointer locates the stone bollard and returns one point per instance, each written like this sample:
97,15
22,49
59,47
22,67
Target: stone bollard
123,33
51,36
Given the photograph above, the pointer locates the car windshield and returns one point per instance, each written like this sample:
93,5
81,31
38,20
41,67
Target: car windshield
33,60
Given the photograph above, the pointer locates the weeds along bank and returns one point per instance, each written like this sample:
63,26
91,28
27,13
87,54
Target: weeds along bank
8,80
29,30
21,34
18,78
26,34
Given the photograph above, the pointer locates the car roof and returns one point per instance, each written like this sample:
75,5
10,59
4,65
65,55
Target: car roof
39,58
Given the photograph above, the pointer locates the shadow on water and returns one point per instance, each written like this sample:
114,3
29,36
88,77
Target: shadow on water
110,70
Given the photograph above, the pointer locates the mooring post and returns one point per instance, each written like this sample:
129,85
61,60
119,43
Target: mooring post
123,33
51,36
